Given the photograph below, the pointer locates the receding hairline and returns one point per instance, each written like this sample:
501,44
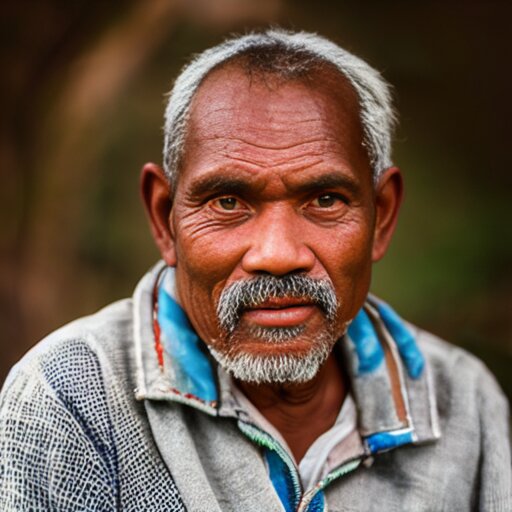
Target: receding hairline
334,88
308,50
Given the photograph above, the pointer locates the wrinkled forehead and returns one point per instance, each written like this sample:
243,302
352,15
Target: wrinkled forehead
269,108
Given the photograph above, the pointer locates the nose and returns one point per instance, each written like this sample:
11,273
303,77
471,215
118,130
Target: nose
277,246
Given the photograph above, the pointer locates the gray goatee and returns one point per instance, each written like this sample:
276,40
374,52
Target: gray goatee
279,368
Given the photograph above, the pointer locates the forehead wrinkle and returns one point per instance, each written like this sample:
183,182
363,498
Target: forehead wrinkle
273,117
272,132
282,163
255,157
277,146
250,152
310,157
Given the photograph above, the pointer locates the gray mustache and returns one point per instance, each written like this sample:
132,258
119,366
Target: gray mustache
249,293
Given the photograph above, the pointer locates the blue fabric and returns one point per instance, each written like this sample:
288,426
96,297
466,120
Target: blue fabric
387,440
317,503
193,370
281,480
368,348
404,340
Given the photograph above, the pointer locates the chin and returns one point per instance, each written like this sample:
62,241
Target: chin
274,357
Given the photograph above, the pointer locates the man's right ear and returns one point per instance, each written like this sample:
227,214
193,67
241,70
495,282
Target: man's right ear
156,194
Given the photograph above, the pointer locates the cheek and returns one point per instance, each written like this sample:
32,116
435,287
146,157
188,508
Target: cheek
347,259
205,260
209,257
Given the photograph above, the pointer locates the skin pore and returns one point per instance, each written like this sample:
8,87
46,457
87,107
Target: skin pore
275,181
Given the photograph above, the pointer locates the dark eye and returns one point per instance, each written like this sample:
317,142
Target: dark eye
325,201
227,203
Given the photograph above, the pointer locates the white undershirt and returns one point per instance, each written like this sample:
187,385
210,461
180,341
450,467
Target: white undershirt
313,466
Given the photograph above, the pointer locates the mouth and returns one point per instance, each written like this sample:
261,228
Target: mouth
280,312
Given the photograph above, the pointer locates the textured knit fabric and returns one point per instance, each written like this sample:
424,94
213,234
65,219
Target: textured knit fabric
91,420
72,440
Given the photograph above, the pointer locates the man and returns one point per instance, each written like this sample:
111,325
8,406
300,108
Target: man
252,371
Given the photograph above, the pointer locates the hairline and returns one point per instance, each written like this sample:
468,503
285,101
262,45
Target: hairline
376,113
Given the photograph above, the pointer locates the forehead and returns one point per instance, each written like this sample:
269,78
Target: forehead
262,121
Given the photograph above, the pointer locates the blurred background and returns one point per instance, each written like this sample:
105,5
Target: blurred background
81,103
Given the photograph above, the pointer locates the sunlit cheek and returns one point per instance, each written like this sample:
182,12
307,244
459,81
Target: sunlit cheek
350,270
207,258
204,264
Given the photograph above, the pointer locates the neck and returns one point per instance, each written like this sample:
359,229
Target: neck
301,412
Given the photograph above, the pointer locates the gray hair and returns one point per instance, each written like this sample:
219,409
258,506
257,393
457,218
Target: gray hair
376,110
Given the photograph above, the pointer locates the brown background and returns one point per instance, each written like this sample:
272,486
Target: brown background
81,110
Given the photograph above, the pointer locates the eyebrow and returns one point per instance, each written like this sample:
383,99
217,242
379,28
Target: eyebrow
218,183
214,183
330,180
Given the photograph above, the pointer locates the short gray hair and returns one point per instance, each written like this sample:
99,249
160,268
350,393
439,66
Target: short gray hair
376,110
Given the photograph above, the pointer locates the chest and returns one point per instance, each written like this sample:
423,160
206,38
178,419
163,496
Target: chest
218,468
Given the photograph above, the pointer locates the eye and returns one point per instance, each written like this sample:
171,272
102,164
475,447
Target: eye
227,203
326,201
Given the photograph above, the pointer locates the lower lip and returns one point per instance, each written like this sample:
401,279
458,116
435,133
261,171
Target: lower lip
283,317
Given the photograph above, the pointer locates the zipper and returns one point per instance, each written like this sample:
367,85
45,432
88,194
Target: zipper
262,438
302,500
345,468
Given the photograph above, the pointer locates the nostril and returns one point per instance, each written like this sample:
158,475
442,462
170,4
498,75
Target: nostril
280,260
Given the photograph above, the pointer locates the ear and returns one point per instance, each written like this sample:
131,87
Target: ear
156,195
388,197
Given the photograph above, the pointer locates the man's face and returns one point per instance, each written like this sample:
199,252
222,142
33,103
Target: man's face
274,183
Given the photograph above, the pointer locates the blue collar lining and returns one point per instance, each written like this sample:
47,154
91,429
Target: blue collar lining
191,368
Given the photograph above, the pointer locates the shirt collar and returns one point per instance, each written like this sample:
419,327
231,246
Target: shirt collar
174,364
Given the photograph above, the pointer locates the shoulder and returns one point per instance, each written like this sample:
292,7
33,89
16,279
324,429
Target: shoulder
466,391
73,362
55,415
84,339
473,419
454,366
